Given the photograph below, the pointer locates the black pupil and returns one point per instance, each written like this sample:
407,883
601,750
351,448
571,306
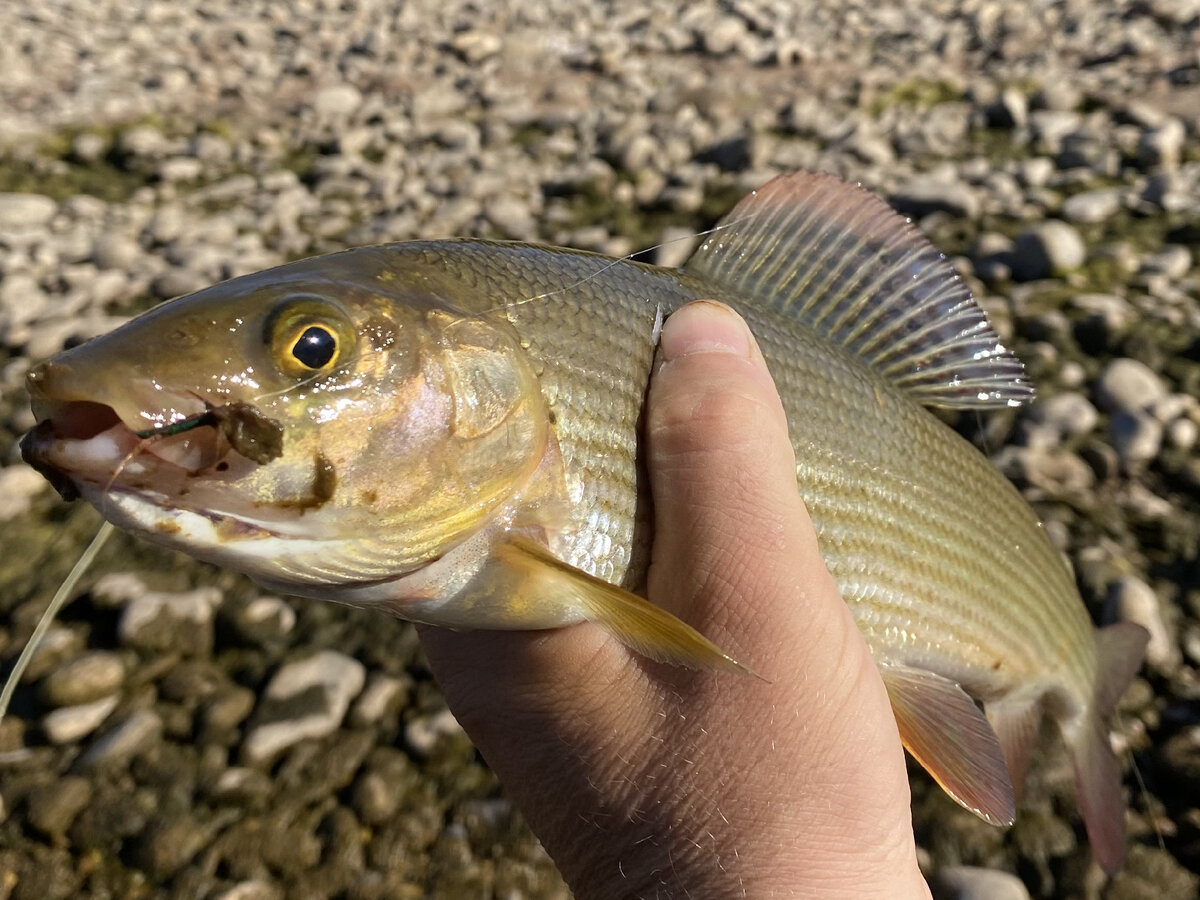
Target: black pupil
315,348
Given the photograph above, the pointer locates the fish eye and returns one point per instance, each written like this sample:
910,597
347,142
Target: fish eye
307,335
315,348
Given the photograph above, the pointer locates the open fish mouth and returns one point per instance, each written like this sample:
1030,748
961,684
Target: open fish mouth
85,441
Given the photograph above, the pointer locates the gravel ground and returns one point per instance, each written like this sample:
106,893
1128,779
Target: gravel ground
182,735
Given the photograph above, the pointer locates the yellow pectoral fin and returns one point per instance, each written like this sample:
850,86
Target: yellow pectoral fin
637,623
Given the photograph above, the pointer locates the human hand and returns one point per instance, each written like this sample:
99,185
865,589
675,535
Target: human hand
643,780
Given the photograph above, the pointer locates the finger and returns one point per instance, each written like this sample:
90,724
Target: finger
735,553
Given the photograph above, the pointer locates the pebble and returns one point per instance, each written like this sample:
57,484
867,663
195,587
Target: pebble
69,724
381,699
1048,248
304,699
264,620
1068,414
340,101
137,732
158,622
924,195
1137,438
971,883
1127,385
1132,600
252,890
88,678
19,484
25,211
1162,147
423,733
1090,207
54,807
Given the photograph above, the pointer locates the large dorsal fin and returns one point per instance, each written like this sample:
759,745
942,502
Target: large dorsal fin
842,262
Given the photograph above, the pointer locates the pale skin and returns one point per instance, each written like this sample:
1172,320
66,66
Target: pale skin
644,780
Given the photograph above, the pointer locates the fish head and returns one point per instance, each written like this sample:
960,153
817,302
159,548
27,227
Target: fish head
320,424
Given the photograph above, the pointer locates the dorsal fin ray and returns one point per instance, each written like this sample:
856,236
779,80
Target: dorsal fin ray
844,264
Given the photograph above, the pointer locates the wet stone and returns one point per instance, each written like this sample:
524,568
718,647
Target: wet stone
303,700
54,807
84,680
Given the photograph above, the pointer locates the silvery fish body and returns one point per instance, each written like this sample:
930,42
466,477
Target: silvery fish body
536,361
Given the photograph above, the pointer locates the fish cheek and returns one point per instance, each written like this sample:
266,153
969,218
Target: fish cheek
499,423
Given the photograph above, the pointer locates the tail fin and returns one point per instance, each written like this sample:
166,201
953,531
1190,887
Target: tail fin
1097,774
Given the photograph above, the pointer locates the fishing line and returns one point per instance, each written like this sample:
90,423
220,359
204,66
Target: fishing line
60,597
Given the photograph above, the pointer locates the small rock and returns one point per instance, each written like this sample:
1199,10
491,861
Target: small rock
1069,414
166,846
180,168
1035,172
304,699
1009,110
1127,385
264,620
54,807
1132,600
381,698
1161,147
970,883
1182,434
376,798
925,194
159,622
84,680
22,211
19,484
240,786
69,724
1174,261
134,735
1047,249
1137,438
88,147
476,45
227,710
423,733
1092,206
724,36
252,890
340,101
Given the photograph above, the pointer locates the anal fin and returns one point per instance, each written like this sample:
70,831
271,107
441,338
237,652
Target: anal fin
637,623
1016,721
945,731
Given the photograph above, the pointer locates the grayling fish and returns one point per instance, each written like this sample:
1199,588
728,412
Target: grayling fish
449,431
